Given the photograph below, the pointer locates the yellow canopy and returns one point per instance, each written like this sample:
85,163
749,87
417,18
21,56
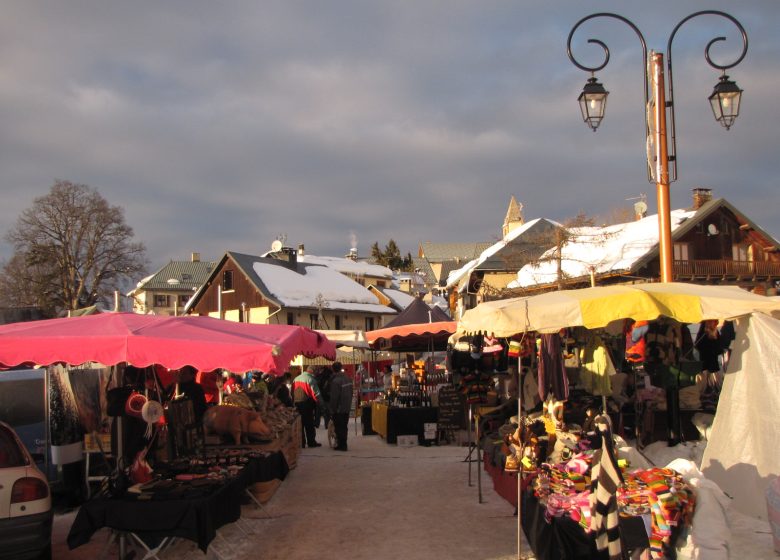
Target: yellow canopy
599,306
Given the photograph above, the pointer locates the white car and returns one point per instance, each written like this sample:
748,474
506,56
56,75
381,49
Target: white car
25,502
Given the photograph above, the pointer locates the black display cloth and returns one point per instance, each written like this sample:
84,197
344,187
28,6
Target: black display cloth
565,539
409,421
365,421
193,511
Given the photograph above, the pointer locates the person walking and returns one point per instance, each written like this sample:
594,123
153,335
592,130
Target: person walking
306,396
340,404
323,380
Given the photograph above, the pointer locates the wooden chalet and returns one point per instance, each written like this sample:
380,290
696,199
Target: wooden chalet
254,289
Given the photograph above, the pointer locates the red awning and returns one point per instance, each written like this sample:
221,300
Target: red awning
142,340
412,337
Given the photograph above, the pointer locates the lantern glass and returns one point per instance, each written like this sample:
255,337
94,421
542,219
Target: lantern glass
593,103
725,100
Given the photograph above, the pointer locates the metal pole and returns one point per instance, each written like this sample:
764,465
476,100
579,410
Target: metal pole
520,466
478,449
662,168
468,432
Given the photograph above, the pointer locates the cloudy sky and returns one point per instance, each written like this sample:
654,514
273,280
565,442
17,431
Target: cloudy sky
222,125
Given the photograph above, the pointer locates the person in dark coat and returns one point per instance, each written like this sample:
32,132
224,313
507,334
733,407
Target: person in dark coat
340,404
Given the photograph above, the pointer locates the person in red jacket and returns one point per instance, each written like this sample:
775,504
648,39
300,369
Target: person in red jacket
208,380
306,396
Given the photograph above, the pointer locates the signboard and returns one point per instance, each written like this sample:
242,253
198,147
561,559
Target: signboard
429,431
451,408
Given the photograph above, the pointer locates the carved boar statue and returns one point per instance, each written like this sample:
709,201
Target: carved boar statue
240,423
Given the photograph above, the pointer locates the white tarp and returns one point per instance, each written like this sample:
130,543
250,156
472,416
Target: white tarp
743,453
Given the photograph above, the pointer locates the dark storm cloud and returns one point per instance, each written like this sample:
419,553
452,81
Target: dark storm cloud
220,126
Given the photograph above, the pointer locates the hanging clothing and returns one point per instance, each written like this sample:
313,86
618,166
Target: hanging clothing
635,340
663,350
552,374
596,366
530,390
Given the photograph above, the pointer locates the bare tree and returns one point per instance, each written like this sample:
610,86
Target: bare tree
71,250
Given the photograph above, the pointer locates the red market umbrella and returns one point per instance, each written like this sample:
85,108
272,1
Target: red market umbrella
415,337
142,340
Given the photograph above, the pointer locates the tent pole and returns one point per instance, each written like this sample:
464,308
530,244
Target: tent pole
47,419
520,470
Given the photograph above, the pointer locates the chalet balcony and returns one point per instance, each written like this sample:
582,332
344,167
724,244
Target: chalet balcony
706,269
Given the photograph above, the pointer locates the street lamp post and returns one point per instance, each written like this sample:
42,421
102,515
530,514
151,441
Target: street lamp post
724,100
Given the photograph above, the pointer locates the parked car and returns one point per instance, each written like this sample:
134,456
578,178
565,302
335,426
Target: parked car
25,502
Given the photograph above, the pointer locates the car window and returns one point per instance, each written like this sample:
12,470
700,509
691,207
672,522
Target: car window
10,453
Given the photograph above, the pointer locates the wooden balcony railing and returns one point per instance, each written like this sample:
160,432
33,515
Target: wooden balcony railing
728,269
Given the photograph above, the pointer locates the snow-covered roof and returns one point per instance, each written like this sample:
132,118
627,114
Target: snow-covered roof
399,298
303,288
599,250
348,266
456,276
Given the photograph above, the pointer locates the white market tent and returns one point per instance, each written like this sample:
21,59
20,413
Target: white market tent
743,452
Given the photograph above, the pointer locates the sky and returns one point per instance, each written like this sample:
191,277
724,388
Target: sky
222,126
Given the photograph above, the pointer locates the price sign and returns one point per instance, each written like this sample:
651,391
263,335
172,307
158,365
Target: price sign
451,408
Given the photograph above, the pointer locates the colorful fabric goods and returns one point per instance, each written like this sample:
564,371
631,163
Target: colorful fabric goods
475,386
665,497
658,494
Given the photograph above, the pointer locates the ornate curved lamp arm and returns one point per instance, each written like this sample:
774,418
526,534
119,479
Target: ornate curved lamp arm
604,46
708,58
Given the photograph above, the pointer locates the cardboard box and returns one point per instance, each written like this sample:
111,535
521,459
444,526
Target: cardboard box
407,441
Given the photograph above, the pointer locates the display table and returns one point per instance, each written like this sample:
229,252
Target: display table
195,513
562,537
391,421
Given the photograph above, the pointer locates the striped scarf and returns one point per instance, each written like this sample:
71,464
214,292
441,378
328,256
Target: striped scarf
605,480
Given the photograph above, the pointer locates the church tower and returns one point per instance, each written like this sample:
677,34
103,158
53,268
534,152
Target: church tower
514,216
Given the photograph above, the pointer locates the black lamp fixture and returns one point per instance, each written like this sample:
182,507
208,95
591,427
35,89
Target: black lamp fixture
724,100
593,103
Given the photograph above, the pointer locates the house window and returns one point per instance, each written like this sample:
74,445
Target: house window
739,253
681,252
338,322
186,277
183,300
227,280
160,300
369,323
290,318
313,320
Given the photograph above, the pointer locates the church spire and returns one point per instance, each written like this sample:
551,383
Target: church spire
514,216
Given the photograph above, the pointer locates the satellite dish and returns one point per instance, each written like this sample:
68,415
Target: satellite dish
640,207
712,229
276,246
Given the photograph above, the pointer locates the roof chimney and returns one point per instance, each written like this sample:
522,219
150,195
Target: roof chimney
291,256
195,257
701,196
353,254
301,251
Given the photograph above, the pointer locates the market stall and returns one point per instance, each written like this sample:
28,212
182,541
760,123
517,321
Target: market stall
191,501
607,308
199,486
411,403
